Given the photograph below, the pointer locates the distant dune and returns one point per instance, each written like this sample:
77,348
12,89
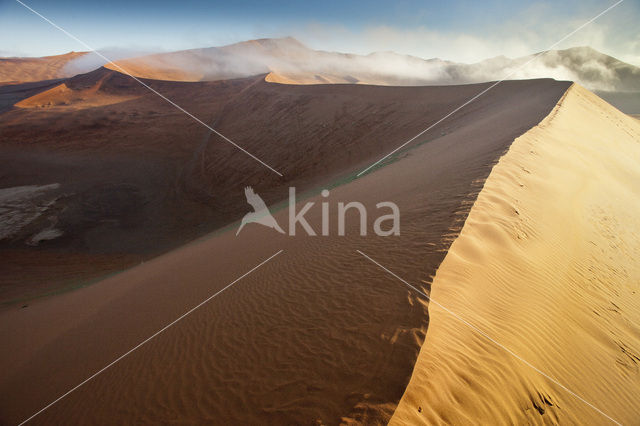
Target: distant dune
546,265
290,61
21,70
83,92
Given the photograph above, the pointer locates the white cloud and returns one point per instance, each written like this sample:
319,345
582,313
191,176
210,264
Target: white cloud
512,39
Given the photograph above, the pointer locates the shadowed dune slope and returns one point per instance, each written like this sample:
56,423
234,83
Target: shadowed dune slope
138,177
11,94
319,335
81,92
547,265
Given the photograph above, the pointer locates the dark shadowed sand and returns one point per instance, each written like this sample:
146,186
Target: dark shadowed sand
318,334
139,178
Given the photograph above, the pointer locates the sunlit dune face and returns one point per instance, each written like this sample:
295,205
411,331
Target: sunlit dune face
546,265
20,70
64,97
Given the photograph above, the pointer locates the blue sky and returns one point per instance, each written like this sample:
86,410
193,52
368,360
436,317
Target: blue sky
461,30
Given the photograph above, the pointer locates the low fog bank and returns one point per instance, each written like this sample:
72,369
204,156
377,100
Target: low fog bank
293,62
96,59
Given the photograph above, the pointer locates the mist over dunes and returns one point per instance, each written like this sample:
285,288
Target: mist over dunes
293,62
288,61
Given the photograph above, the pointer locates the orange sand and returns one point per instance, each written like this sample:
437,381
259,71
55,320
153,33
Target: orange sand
15,70
547,265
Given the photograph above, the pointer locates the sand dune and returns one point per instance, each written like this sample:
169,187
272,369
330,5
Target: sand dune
11,94
20,70
292,62
547,265
313,78
288,61
77,96
318,335
138,177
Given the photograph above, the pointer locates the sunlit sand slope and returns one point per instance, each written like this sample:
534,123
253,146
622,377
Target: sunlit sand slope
15,70
546,265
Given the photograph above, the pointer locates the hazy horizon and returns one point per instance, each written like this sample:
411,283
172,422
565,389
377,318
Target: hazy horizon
117,53
461,31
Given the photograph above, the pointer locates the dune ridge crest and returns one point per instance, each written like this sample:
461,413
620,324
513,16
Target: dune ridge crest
546,264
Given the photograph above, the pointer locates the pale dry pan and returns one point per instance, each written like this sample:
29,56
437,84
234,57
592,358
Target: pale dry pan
547,265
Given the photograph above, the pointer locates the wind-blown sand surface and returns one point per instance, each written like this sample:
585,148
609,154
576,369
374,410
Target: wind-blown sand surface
546,265
317,335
